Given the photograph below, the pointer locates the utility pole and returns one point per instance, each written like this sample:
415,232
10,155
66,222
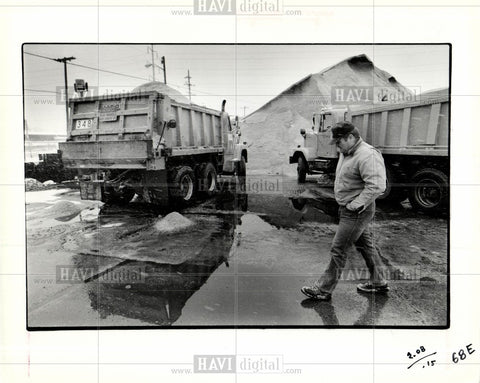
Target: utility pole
64,61
153,65
189,84
164,70
244,109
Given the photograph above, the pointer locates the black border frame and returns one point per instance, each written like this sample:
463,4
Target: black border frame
209,327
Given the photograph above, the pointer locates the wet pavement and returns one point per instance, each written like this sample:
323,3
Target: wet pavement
242,263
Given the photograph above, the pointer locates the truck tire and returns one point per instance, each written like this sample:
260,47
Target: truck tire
429,190
241,171
242,167
113,196
393,192
299,203
183,184
208,179
301,170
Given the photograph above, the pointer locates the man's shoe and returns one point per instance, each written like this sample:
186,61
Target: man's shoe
315,294
368,287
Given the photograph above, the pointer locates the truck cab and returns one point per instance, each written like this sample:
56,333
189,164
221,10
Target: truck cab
317,155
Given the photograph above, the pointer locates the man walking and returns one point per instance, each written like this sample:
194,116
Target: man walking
359,179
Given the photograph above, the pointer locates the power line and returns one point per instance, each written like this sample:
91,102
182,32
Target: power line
117,73
42,91
43,57
89,67
108,71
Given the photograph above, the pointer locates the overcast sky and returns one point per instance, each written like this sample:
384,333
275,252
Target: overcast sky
246,76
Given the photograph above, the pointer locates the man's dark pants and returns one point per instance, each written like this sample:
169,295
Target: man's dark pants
353,229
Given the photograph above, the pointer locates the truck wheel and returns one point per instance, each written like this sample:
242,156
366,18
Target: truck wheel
301,170
429,190
299,203
110,195
183,184
208,179
242,167
393,191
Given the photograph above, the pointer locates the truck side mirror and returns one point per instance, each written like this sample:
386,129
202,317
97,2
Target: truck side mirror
172,124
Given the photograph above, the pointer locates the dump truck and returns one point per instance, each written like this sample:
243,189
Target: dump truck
148,143
412,137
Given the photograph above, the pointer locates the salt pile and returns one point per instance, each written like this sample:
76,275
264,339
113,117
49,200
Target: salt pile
160,87
173,222
63,209
274,129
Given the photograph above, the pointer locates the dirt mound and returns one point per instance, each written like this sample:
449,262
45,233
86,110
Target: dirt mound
32,184
162,88
273,130
63,209
173,222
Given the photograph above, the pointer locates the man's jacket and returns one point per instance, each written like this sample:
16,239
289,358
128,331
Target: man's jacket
360,176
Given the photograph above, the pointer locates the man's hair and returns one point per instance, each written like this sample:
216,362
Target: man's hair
356,133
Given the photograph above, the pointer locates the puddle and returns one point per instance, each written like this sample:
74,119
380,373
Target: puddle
253,224
245,252
115,224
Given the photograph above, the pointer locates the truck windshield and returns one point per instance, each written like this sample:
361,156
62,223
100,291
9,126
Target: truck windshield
325,122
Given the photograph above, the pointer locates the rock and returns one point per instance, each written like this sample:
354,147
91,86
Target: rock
173,222
90,214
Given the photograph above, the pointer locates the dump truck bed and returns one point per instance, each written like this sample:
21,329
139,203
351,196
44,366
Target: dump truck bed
415,128
125,132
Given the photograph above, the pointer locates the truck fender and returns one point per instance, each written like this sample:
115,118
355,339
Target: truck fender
299,152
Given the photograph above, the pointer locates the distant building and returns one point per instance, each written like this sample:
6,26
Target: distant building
36,144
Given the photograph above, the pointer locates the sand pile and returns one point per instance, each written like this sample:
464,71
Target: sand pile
173,222
273,130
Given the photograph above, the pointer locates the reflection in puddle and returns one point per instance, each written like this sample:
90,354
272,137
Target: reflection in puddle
175,266
253,224
369,317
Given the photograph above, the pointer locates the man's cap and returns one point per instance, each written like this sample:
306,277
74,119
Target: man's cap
341,129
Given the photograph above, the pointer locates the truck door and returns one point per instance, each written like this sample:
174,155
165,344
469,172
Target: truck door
324,149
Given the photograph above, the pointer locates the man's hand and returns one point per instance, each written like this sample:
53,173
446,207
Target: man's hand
359,209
